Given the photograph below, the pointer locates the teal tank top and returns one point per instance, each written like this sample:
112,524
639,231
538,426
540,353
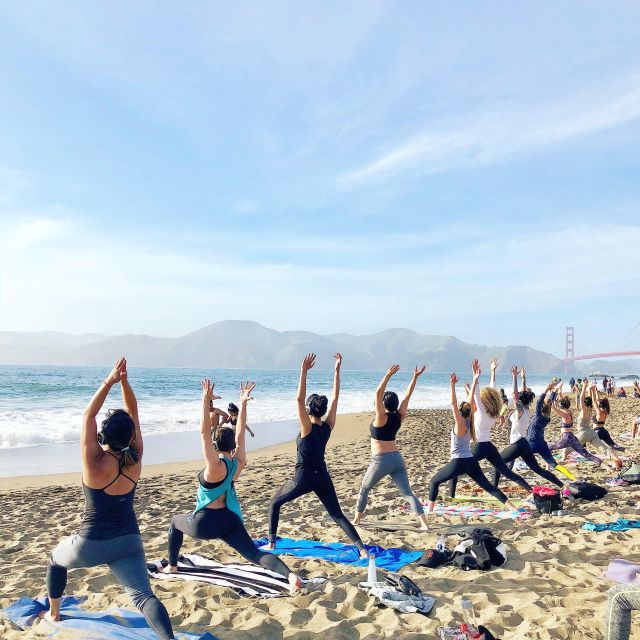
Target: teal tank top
206,496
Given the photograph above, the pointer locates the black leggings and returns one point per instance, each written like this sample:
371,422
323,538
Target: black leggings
605,436
463,466
521,449
223,524
308,480
487,451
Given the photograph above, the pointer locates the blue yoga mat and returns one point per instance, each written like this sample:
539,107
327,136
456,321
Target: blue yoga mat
619,525
112,624
390,559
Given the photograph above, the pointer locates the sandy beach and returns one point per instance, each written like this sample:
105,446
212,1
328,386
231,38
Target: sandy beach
549,589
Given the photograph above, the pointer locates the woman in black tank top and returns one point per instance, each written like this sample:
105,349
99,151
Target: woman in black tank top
386,460
311,474
109,534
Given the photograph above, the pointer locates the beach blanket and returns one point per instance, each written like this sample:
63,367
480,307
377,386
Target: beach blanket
472,511
622,571
619,525
111,624
390,559
243,578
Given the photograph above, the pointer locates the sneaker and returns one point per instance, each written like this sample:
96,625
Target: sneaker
617,482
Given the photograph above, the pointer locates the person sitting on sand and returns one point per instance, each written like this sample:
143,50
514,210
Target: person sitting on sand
462,461
232,418
386,460
562,408
311,474
109,533
487,404
217,514
535,432
602,409
518,445
586,433
635,427
621,393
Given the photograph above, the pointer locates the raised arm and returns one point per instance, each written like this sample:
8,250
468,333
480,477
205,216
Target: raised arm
404,405
381,417
303,416
90,449
475,389
209,451
131,407
583,392
514,394
523,375
461,425
492,378
333,405
241,454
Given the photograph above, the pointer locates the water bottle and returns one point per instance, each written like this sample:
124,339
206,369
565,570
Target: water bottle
372,574
440,543
469,616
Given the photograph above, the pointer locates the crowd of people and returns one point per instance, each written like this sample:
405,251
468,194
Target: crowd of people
112,464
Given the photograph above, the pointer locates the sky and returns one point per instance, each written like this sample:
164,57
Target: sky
466,169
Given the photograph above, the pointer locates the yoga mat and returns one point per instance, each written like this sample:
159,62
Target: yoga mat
471,511
110,624
391,559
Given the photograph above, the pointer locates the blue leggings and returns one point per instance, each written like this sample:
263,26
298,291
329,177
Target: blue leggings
542,449
125,557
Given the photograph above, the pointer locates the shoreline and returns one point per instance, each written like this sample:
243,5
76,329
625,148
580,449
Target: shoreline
345,423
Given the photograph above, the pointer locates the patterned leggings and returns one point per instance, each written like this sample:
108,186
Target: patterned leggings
623,599
569,441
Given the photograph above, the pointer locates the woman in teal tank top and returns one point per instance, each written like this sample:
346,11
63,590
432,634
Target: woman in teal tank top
217,514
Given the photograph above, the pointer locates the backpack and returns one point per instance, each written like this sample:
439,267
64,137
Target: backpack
481,550
632,474
547,500
587,491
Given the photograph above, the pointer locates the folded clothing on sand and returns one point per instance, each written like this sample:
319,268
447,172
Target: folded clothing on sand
244,578
391,559
619,525
622,571
112,624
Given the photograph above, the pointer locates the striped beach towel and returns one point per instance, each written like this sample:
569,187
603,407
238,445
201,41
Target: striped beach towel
472,511
246,579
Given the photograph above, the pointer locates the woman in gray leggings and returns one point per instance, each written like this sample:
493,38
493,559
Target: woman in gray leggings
386,460
109,534
623,599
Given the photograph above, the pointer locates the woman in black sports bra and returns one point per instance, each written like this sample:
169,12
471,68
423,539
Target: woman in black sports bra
311,473
386,460
109,534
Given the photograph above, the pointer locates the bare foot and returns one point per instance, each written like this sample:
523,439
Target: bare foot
170,569
424,525
364,553
295,582
268,547
51,617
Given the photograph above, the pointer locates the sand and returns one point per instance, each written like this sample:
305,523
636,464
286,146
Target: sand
550,587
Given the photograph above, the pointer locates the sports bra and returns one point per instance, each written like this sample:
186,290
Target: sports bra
106,515
388,431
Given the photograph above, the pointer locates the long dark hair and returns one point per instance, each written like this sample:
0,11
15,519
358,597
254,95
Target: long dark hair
118,430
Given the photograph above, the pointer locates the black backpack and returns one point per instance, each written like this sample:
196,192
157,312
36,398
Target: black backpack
548,504
587,491
482,550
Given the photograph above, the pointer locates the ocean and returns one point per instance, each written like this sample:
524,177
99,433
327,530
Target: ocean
44,405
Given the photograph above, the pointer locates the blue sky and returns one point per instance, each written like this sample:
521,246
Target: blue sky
456,168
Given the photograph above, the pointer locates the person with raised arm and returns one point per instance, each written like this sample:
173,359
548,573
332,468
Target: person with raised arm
217,515
518,445
232,418
562,408
462,461
311,474
109,533
586,433
602,409
487,406
386,460
535,433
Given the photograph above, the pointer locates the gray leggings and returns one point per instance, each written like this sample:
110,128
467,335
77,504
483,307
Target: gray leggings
622,600
125,557
387,464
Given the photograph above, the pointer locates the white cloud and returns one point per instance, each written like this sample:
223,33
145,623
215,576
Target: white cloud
490,137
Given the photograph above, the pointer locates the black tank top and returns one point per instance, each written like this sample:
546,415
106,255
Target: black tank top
389,430
311,448
108,516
